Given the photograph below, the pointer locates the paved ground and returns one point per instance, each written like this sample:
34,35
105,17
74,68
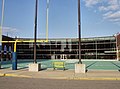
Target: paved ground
28,83
60,74
97,70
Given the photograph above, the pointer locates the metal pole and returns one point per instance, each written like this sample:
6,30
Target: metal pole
79,31
47,19
2,20
35,30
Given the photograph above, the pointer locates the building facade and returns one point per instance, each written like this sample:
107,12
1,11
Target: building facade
6,48
99,48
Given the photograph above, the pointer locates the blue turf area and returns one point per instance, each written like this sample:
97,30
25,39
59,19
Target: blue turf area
69,64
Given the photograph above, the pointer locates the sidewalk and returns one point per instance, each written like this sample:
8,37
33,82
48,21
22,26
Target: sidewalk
60,74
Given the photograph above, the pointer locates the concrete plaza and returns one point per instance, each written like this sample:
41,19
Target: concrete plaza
60,74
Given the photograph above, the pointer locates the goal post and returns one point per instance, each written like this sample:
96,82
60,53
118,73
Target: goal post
15,41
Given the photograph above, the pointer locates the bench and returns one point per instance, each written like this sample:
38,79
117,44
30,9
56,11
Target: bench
59,65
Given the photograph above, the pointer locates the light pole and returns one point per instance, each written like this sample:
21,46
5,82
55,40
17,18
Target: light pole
35,30
47,19
79,31
2,18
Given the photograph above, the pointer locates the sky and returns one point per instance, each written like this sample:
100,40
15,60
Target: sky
98,18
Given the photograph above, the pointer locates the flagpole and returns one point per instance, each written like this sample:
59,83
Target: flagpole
79,31
35,30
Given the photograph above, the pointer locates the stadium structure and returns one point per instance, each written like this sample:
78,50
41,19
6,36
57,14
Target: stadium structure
97,48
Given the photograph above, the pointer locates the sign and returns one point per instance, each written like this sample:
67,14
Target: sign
59,65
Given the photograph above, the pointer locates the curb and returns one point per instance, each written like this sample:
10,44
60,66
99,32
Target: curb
94,78
89,79
64,78
1,75
13,75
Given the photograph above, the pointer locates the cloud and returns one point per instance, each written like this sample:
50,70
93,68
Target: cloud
113,2
9,30
90,3
112,16
110,8
110,5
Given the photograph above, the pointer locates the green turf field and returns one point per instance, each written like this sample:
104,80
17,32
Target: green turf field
90,65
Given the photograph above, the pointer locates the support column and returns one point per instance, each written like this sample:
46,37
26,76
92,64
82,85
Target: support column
14,57
14,61
118,59
96,49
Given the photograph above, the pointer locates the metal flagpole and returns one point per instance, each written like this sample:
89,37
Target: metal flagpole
35,30
79,30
